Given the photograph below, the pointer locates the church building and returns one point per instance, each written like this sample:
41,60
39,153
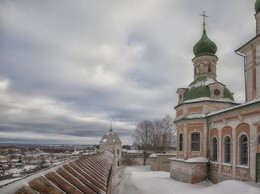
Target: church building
111,142
217,138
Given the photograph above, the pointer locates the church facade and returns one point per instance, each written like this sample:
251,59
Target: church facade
219,139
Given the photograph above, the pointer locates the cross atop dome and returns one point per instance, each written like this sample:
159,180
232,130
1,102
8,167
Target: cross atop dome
204,20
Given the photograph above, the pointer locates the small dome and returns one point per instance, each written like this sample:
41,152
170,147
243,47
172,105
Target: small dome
110,138
205,47
257,6
199,88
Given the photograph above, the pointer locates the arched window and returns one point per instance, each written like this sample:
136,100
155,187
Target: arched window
195,142
214,149
209,68
118,152
244,150
259,139
181,142
227,151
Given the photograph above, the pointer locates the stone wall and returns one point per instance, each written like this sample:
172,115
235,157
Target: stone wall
188,172
161,162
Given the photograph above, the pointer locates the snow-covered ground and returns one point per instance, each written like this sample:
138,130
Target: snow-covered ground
3,182
140,180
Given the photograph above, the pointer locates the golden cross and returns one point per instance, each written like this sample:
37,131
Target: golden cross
204,20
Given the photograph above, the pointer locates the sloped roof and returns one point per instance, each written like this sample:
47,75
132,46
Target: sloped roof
200,88
89,174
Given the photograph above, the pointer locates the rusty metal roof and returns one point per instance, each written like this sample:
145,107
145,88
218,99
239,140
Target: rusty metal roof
89,174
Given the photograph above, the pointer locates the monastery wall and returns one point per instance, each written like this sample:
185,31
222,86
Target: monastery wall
234,124
188,172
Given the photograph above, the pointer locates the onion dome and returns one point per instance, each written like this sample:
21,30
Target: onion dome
257,6
205,47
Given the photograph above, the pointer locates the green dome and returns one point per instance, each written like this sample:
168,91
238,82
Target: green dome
205,47
257,6
199,88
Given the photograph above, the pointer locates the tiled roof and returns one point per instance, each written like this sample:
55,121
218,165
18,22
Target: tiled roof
89,174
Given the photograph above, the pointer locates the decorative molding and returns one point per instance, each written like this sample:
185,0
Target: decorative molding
241,118
225,121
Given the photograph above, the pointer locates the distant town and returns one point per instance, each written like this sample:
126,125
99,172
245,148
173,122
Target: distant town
20,160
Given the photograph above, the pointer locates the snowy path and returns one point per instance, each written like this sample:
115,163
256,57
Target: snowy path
140,180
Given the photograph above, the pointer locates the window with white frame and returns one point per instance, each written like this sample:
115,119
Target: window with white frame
227,149
214,149
244,150
195,142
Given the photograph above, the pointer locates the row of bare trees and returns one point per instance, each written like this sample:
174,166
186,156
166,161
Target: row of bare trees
157,135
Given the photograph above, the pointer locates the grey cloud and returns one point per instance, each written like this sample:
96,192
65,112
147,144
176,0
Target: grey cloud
72,66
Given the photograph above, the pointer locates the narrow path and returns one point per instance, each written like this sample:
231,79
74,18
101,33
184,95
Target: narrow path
121,181
140,180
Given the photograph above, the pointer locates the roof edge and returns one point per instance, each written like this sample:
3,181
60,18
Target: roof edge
235,103
239,49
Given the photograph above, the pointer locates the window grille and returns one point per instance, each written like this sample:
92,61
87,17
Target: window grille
214,149
195,142
227,150
180,142
244,150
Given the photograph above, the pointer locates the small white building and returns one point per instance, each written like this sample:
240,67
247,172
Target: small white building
111,141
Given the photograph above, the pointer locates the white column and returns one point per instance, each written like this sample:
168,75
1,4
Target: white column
234,150
206,135
220,140
185,142
252,151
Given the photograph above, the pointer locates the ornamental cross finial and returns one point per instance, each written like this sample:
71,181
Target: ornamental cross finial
204,20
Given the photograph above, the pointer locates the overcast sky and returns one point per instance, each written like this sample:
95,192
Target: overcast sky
68,67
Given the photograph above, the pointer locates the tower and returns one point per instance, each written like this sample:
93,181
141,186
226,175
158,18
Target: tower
111,141
251,51
203,96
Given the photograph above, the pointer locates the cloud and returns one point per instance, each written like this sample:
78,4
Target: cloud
69,67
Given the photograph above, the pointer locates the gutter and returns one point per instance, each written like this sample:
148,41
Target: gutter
242,55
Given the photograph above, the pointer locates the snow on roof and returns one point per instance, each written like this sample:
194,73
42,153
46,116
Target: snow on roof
208,99
235,107
153,155
170,154
192,116
74,173
191,160
135,151
204,82
110,137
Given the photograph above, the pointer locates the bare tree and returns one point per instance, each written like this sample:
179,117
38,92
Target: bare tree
168,132
143,136
164,134
157,135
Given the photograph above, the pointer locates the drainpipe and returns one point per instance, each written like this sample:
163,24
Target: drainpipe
242,55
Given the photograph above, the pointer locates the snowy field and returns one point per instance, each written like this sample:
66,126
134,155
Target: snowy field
140,180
